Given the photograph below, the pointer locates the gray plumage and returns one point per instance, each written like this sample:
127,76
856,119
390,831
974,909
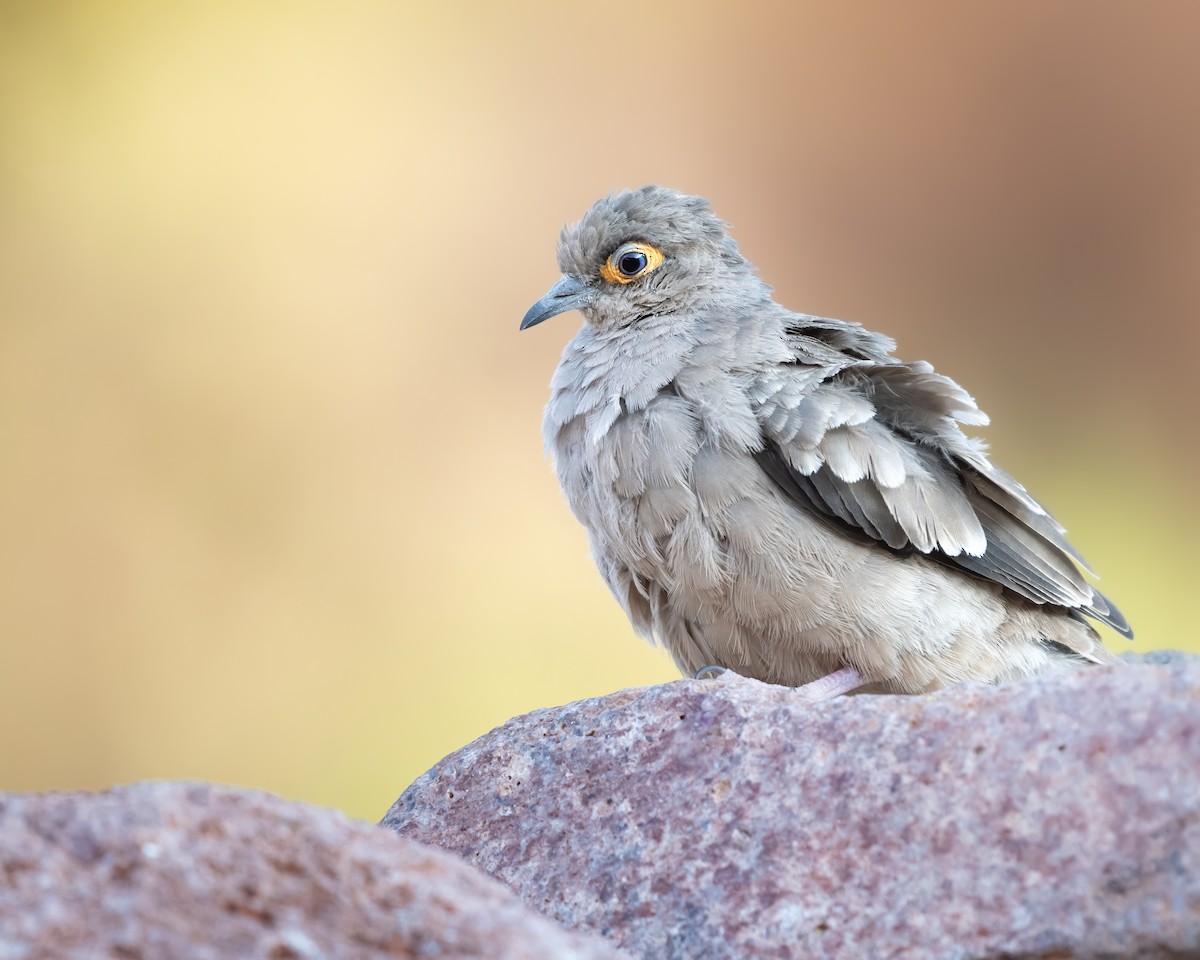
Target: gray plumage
775,492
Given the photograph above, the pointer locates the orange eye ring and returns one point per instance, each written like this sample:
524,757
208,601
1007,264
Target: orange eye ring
631,261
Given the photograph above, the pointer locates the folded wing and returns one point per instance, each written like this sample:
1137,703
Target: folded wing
875,446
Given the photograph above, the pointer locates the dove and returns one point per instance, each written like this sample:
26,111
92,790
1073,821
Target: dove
778,495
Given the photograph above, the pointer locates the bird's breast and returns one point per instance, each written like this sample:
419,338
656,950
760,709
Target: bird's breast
628,471
654,481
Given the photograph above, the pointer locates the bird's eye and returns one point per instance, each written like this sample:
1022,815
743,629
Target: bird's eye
631,261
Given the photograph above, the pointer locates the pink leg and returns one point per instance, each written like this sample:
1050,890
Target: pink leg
826,688
834,685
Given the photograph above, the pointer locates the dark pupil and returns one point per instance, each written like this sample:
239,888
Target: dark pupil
631,263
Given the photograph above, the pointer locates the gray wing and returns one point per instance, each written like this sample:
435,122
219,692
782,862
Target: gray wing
874,446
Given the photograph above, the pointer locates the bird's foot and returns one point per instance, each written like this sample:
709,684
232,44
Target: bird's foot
833,685
826,688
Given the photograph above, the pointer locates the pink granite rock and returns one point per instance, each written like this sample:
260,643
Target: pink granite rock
1053,818
176,871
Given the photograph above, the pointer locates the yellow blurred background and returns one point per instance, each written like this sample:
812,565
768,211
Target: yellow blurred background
273,504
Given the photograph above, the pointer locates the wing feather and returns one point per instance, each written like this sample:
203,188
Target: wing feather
875,446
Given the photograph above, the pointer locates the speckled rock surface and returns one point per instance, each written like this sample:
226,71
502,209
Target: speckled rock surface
178,871
1053,818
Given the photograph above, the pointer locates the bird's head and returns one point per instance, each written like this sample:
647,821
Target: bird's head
638,254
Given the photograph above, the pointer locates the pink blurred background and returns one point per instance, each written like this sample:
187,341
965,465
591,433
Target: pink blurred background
273,506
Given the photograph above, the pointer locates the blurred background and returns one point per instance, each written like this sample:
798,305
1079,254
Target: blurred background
273,504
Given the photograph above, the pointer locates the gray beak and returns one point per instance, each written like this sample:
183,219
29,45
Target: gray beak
570,293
